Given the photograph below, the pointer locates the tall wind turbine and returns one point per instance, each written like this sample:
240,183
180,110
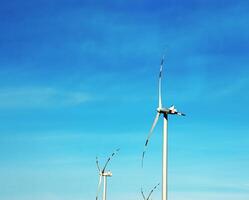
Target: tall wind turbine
104,174
165,112
148,197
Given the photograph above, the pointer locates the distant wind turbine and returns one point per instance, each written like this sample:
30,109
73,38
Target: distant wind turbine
165,111
148,197
104,174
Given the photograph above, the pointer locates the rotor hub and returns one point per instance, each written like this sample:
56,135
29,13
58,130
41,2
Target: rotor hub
106,173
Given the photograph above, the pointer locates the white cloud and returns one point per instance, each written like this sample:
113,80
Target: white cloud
27,97
236,86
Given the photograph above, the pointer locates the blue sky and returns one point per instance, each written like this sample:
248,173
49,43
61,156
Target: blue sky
79,79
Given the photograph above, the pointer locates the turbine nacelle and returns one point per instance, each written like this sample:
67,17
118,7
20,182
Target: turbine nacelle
171,110
163,110
106,174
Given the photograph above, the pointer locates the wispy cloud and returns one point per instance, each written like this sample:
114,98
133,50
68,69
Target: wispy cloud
235,87
32,97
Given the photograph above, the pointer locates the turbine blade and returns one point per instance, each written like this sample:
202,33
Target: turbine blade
100,180
152,191
150,133
108,160
153,125
179,113
143,194
97,163
160,84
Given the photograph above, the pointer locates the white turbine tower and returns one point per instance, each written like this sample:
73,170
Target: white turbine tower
104,174
148,197
165,111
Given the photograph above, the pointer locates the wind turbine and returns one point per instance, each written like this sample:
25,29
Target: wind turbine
148,197
165,112
104,174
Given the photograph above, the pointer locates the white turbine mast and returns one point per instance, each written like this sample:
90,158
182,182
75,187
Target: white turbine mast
104,174
165,112
148,197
